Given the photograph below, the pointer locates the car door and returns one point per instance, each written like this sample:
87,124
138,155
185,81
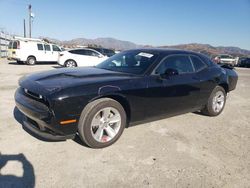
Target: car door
176,93
55,52
81,57
48,53
206,79
94,57
87,57
40,52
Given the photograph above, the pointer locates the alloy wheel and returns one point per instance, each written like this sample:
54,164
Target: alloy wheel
106,124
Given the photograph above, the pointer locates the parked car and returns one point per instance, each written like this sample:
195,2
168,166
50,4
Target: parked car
244,62
104,51
97,103
80,57
30,51
227,59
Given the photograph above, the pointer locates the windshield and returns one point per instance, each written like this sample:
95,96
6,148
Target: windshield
134,62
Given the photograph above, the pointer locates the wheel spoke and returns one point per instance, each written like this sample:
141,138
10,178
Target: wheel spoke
114,119
96,121
220,99
99,133
106,113
110,131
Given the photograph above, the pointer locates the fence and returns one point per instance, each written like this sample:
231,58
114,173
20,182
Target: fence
4,42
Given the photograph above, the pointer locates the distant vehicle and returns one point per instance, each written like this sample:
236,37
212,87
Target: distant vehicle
80,57
30,51
97,103
227,59
104,51
244,62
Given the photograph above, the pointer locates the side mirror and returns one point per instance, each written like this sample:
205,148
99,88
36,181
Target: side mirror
100,56
169,72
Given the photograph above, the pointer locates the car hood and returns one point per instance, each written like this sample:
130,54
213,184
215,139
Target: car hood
48,82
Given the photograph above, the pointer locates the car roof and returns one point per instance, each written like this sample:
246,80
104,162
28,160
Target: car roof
166,51
84,49
99,48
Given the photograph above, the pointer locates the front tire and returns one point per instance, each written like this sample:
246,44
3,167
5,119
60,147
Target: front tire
216,102
101,123
70,63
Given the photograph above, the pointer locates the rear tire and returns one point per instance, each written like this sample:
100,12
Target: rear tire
101,123
70,63
216,102
31,60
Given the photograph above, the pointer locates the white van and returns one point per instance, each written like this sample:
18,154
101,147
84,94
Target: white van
31,50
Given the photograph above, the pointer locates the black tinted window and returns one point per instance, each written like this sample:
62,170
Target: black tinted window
47,47
92,53
98,49
82,52
74,51
181,63
40,46
14,45
198,64
79,52
56,48
10,45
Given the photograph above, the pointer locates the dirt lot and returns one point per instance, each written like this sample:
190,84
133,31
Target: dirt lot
185,151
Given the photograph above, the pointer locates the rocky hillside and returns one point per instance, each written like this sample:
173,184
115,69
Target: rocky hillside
124,45
104,42
211,50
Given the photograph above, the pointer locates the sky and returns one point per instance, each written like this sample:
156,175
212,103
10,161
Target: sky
146,22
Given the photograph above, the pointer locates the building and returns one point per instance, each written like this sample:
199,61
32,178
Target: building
4,42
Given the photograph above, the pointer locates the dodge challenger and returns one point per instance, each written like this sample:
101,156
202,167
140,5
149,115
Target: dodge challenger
97,103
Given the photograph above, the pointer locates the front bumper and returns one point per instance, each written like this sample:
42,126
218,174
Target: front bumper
13,59
33,128
38,118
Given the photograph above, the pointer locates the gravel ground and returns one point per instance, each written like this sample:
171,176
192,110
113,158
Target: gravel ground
184,151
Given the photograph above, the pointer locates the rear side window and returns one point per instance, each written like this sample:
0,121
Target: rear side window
73,51
40,46
181,63
10,45
56,48
84,52
79,52
47,47
14,45
198,63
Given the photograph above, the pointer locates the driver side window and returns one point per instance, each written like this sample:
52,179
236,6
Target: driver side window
181,63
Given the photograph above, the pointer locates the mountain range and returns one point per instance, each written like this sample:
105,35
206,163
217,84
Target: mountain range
124,45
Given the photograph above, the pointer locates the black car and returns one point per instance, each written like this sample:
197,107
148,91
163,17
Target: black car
97,103
104,51
244,62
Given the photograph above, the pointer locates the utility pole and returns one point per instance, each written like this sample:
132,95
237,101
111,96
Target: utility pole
24,29
30,20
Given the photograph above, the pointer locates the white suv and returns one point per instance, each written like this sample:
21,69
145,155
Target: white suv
225,58
80,57
32,50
